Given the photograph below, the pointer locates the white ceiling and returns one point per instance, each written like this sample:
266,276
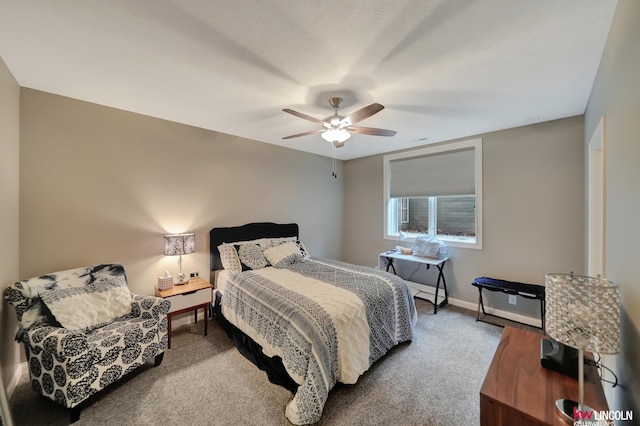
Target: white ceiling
443,69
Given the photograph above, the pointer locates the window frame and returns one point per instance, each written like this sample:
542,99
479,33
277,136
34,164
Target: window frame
391,212
404,210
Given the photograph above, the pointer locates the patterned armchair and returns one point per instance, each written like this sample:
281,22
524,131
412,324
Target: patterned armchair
82,330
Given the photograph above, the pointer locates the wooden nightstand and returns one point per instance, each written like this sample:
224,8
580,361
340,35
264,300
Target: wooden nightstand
196,294
517,390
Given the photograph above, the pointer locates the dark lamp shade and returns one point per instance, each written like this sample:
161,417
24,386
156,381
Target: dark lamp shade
179,244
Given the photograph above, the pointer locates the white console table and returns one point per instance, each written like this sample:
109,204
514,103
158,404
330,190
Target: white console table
424,291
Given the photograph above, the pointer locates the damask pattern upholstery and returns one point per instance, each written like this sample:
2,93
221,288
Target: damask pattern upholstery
68,366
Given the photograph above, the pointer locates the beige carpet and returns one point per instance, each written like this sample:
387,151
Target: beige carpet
434,380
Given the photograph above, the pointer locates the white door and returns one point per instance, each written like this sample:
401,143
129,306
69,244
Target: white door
596,232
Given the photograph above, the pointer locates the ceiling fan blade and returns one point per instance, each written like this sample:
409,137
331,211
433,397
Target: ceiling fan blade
304,116
297,135
371,131
362,113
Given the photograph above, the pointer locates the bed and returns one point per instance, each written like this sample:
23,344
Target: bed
309,322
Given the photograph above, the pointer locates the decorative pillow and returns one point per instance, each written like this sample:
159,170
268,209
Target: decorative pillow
303,250
271,242
84,308
229,257
283,254
25,295
251,257
229,253
277,241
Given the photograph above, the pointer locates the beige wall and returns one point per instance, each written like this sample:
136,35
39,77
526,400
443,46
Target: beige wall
9,217
533,186
99,184
616,95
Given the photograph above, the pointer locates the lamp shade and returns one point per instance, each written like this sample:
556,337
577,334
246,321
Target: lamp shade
179,244
583,312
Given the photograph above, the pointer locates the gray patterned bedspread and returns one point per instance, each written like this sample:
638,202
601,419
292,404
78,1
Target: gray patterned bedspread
329,321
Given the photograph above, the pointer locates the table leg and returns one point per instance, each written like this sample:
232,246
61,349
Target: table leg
390,265
169,334
435,301
444,283
204,309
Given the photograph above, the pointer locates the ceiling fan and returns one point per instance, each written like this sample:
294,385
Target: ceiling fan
336,128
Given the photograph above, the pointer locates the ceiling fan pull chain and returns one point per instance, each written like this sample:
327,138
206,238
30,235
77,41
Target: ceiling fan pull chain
333,160
335,176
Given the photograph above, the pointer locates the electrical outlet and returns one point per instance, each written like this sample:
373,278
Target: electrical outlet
194,274
512,299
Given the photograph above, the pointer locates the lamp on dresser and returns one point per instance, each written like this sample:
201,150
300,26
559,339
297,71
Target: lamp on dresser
583,313
177,245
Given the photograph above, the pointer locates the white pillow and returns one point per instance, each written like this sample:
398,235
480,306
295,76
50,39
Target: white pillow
229,253
84,308
277,241
229,257
271,242
283,254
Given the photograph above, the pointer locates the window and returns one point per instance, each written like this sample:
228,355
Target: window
403,205
435,191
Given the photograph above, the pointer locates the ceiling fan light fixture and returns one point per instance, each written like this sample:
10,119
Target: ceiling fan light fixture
335,121
335,135
336,129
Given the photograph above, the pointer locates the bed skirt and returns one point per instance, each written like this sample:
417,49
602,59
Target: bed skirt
273,366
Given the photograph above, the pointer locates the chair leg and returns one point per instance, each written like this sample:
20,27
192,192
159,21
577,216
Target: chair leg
75,413
158,359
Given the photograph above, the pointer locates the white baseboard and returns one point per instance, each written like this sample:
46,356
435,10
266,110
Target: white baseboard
23,368
535,322
185,319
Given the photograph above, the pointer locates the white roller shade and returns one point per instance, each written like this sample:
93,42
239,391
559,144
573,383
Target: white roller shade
446,173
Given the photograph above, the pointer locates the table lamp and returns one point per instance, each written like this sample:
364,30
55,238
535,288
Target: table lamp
177,245
583,313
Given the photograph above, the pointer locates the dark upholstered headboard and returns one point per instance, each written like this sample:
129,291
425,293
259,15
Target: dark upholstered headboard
250,231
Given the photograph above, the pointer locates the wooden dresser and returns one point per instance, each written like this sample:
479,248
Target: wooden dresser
517,390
